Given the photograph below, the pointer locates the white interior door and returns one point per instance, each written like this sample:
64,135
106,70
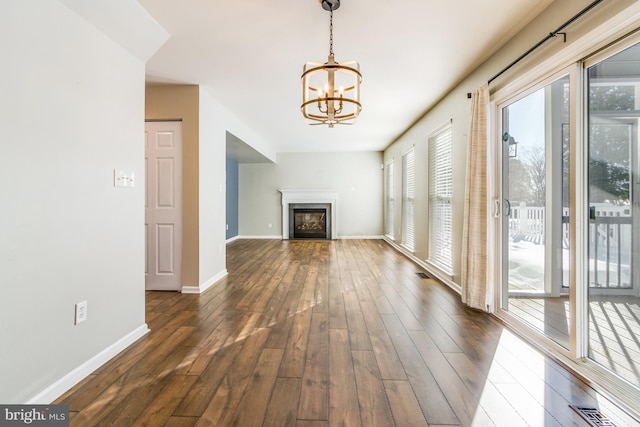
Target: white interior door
163,213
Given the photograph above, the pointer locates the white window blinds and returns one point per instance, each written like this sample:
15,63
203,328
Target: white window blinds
440,191
390,201
408,194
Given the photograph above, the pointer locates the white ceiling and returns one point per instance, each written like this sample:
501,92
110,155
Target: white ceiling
249,55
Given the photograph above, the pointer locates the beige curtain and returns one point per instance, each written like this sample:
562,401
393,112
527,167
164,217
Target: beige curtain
475,291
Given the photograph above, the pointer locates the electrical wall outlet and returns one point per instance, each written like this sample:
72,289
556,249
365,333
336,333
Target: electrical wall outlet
81,312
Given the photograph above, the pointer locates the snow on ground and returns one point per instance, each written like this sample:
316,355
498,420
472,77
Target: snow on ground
526,268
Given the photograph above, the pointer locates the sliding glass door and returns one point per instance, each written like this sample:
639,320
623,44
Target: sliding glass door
535,234
569,218
613,98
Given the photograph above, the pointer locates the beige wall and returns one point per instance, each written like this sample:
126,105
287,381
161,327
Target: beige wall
456,107
356,176
171,102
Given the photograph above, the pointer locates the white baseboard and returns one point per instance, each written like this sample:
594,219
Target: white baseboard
65,383
206,285
433,271
280,237
231,239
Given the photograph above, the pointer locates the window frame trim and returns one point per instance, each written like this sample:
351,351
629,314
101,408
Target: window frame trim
448,125
389,180
411,150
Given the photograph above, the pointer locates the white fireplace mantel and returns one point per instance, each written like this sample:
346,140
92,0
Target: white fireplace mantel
309,196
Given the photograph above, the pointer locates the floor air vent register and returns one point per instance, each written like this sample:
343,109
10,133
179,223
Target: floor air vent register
593,416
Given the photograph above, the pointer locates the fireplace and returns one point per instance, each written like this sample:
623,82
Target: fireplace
327,200
309,221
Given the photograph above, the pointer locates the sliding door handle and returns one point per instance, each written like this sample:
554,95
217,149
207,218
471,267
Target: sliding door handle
496,208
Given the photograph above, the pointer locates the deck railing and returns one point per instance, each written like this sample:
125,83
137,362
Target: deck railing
610,232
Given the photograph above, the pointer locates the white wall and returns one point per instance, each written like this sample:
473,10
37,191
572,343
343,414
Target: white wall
356,176
212,197
215,122
71,111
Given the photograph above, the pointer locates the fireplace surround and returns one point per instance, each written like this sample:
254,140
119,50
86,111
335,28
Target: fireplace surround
312,201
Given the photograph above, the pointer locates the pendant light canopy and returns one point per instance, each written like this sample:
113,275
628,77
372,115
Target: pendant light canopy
331,91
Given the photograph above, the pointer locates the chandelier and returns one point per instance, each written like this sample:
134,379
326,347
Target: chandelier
331,91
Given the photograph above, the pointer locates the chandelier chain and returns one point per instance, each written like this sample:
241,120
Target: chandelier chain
331,31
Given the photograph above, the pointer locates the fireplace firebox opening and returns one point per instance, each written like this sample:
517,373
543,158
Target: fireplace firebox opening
309,221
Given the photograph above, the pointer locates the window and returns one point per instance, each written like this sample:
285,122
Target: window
390,206
440,189
408,194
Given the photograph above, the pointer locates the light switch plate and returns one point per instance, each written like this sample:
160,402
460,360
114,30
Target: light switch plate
119,178
123,179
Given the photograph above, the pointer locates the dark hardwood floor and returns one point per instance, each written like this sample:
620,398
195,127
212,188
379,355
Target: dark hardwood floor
326,333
